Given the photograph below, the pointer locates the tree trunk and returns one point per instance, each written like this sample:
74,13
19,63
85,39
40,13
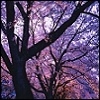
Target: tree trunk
21,83
49,95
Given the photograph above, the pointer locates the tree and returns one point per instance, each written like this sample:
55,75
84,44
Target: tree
18,46
58,74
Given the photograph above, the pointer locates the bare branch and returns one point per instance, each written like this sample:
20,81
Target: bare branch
77,58
37,90
5,70
44,77
3,28
10,31
66,82
54,58
6,60
59,18
55,35
69,43
21,10
89,13
26,31
40,80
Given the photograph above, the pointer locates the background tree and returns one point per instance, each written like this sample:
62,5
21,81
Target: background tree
27,32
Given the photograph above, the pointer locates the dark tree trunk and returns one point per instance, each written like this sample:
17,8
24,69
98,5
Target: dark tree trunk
19,76
21,83
49,96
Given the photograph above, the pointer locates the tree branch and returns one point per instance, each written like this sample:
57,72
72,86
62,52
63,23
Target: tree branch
53,36
69,43
66,82
59,18
46,81
10,31
54,58
6,60
94,15
21,10
36,89
25,31
77,57
40,80
3,28
5,70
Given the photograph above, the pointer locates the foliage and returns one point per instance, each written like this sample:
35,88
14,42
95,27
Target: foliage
55,44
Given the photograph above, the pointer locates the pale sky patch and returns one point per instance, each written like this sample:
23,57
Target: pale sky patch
48,23
93,69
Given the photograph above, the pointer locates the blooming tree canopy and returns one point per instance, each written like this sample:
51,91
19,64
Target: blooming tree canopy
50,49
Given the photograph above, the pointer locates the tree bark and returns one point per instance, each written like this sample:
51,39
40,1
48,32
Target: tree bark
49,95
21,83
19,76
